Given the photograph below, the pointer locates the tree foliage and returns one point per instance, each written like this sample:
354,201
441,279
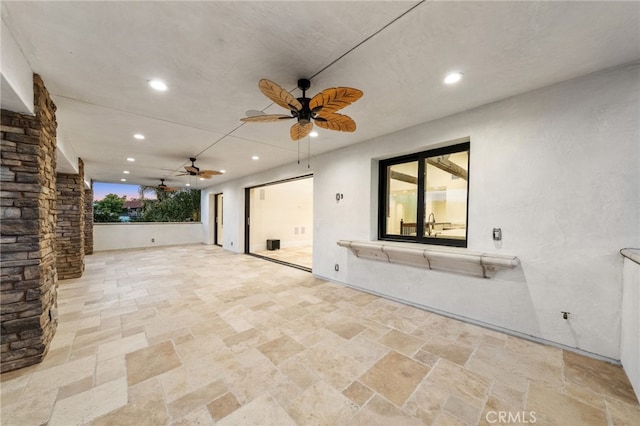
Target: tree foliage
108,209
180,206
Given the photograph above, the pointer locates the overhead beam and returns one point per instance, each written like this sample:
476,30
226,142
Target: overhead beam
448,166
403,177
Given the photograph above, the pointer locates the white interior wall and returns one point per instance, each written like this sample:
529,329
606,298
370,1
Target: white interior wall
234,207
116,236
556,169
282,211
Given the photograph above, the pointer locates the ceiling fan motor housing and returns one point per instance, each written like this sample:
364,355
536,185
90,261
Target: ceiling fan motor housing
304,115
193,164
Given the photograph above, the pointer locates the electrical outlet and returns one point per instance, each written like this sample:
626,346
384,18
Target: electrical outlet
337,267
153,240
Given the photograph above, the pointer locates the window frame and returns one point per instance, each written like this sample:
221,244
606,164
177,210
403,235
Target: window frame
383,196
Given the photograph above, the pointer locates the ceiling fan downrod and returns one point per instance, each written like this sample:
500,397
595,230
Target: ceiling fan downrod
304,115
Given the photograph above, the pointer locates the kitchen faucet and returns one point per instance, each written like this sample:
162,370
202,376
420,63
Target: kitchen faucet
431,223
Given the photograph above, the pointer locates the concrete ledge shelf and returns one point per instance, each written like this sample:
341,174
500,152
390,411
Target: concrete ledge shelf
631,254
443,259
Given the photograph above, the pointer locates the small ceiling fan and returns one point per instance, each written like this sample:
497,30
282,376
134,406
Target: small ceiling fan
192,170
321,108
164,188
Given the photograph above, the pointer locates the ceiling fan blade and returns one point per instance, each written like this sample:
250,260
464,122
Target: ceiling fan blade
299,131
167,189
266,118
191,169
278,95
333,99
204,173
253,113
334,121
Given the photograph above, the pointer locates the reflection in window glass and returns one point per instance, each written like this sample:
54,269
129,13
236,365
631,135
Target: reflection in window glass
445,197
423,196
402,198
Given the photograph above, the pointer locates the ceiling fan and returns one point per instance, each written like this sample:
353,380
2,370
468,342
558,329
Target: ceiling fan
164,188
192,170
321,108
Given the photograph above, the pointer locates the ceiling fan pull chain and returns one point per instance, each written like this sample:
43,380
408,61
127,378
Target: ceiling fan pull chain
308,152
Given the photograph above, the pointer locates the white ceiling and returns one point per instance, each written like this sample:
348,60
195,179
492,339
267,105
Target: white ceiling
96,57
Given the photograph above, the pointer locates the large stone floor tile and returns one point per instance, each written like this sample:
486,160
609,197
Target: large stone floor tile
395,377
260,412
151,361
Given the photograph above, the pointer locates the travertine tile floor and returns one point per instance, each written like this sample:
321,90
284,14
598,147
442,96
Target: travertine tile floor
193,335
301,256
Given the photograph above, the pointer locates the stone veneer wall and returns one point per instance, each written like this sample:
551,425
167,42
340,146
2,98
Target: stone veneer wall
70,230
88,221
27,231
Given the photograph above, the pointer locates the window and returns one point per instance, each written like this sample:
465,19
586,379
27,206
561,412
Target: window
424,197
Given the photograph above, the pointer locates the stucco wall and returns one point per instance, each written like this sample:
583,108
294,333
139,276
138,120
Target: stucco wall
555,168
115,236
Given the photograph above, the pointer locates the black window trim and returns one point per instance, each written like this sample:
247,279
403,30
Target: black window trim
383,202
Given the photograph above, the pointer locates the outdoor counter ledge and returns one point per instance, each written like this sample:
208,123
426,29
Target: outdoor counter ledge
631,254
444,259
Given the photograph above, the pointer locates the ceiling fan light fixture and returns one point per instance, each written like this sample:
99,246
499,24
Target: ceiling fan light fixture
453,77
158,85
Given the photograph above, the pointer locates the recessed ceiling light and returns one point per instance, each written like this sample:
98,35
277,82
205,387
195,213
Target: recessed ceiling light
123,180
201,178
139,136
131,159
126,172
158,85
223,171
313,134
453,77
255,157
188,184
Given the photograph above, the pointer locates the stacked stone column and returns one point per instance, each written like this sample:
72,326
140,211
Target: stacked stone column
70,224
88,221
27,232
